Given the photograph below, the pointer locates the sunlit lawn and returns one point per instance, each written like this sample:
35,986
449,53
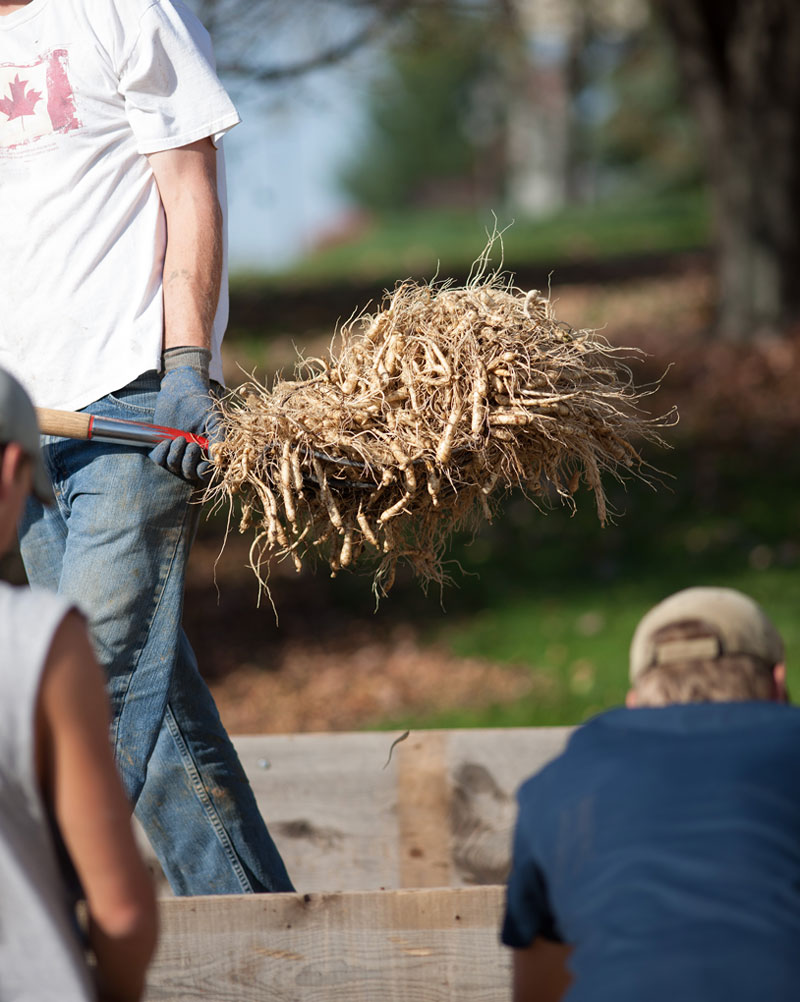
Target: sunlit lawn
418,242
561,596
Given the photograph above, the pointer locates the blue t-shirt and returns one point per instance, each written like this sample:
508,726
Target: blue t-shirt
664,846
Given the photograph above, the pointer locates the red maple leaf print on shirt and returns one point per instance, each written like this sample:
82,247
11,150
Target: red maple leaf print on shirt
21,102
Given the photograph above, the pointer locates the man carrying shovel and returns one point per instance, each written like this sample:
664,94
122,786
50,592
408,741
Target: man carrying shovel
113,260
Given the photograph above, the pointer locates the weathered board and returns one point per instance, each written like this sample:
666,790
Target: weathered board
431,945
439,813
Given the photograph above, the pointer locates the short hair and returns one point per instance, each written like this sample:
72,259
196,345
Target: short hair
726,678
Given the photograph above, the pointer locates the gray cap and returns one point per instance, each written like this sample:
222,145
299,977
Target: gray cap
18,424
738,624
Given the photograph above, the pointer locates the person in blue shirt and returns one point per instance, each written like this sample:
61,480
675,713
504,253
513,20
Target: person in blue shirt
658,858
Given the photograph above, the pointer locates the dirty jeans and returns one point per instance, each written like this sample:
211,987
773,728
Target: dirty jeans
117,542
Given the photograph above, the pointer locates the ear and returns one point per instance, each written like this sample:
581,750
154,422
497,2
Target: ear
14,460
631,699
16,478
779,692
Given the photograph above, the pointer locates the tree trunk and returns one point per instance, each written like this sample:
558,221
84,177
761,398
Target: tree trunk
739,60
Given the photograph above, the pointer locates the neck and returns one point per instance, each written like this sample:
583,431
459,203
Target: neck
9,8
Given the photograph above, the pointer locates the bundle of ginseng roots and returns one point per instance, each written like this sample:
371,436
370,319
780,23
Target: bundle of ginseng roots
424,415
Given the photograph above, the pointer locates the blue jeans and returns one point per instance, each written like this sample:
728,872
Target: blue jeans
116,542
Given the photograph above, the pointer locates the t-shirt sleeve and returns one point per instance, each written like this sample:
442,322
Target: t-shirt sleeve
528,912
169,83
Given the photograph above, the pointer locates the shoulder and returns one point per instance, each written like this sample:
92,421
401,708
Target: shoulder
779,722
21,607
172,13
600,731
30,621
169,28
133,16
186,21
550,776
585,744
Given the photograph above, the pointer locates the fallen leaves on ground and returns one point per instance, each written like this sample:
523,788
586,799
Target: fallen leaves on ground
360,683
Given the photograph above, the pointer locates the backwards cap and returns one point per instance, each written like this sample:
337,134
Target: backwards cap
737,625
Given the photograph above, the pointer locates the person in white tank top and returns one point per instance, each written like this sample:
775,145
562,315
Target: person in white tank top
60,793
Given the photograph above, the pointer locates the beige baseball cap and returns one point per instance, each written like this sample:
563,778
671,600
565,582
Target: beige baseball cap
738,626
18,424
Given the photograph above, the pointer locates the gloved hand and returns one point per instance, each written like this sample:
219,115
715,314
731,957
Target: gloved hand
184,401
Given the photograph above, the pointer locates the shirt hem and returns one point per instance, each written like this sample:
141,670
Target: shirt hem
213,130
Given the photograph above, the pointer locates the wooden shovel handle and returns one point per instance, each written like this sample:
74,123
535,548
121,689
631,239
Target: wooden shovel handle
67,424
118,431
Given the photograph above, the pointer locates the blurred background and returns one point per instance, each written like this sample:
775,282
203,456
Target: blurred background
642,160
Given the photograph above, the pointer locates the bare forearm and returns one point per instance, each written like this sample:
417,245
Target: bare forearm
540,972
122,955
187,184
192,272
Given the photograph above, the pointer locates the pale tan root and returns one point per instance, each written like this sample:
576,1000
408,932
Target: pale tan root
430,410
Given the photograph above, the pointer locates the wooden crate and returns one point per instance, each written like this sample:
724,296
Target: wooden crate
399,869
439,814
431,945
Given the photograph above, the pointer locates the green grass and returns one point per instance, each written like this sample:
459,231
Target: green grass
416,242
561,596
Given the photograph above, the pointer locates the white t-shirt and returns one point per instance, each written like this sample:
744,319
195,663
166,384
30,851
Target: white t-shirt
87,89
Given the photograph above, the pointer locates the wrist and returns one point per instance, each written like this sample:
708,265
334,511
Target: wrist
187,356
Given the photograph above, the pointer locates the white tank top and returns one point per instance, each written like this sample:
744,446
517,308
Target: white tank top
41,958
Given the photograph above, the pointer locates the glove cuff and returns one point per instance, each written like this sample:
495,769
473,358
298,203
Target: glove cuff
189,356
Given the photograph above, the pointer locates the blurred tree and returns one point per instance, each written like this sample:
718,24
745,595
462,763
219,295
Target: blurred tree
435,116
739,60
527,105
544,134
598,110
249,37
639,134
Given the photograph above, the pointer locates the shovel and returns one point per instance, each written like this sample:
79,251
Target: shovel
115,431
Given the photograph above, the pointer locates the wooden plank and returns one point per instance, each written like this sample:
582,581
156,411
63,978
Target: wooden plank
432,945
439,813
423,811
484,769
330,806
344,822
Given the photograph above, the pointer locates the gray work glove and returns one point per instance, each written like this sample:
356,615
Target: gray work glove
185,402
